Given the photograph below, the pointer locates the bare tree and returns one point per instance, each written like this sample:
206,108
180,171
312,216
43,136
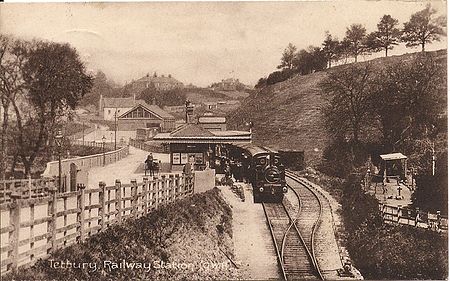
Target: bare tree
348,95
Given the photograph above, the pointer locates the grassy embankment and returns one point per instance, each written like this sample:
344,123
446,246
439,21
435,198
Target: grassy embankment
195,231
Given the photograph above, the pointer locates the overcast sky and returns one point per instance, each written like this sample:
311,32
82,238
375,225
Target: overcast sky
197,42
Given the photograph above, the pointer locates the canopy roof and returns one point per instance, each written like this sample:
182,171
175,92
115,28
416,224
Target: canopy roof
393,156
192,133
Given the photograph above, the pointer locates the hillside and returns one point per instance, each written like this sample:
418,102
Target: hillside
287,115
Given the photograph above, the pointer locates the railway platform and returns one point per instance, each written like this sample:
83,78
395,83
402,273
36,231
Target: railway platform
254,252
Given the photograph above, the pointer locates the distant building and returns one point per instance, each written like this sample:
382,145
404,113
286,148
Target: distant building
161,83
229,84
143,115
108,107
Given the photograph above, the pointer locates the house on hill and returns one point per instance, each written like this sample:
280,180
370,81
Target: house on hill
229,84
161,83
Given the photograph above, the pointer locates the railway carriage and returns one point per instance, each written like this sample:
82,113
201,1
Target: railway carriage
263,169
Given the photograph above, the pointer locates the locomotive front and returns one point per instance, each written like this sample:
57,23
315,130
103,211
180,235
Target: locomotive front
269,181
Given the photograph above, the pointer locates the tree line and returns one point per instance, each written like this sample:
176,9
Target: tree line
40,84
383,109
422,28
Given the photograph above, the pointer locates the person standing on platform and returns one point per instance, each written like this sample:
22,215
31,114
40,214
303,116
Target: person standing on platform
149,165
188,170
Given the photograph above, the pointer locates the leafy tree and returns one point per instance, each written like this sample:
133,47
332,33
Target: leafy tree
309,61
431,193
13,56
356,36
101,86
423,28
343,50
406,101
348,95
330,48
54,81
386,36
287,59
261,83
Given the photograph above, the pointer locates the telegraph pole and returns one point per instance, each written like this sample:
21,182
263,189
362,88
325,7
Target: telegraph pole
115,130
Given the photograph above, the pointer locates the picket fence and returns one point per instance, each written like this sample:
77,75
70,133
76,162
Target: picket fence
411,217
32,228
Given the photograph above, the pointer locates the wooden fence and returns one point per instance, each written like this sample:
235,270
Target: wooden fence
32,228
416,218
25,188
107,145
147,147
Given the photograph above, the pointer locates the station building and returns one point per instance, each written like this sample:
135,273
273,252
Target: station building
143,115
202,139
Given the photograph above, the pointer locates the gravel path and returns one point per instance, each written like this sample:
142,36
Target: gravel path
253,246
125,169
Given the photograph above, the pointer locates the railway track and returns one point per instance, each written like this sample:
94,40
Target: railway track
294,235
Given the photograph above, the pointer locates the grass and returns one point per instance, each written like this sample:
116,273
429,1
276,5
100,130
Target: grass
287,115
196,230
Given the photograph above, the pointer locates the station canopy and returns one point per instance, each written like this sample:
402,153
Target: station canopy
393,156
192,133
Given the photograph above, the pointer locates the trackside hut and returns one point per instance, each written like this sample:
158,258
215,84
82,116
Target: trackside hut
204,145
393,165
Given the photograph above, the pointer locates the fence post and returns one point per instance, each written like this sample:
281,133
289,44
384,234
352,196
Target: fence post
51,213
81,206
144,195
101,201
29,186
163,189
134,199
171,192
438,215
15,221
398,213
416,220
177,185
156,191
119,201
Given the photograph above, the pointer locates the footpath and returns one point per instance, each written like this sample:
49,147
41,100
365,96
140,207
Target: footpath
125,170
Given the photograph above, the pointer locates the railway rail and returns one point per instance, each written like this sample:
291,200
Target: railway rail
294,235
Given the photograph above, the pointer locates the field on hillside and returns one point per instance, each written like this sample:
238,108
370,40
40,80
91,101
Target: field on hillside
288,114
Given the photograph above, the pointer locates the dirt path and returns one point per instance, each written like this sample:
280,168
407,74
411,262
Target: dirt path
125,169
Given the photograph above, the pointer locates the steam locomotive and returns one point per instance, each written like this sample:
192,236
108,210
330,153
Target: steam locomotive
262,167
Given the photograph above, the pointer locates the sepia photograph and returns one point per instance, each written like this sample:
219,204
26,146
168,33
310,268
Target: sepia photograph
210,140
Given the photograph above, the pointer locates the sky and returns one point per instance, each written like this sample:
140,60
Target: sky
197,42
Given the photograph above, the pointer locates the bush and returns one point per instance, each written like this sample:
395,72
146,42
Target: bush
382,251
279,76
431,193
